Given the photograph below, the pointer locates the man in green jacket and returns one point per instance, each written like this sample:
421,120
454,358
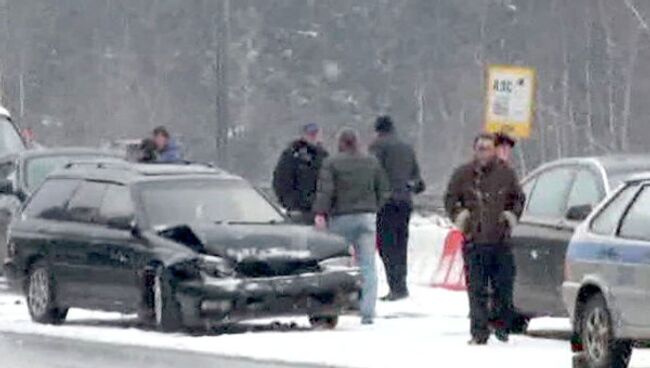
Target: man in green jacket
352,187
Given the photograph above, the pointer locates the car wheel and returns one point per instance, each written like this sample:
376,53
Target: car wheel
41,296
601,348
166,310
324,322
520,324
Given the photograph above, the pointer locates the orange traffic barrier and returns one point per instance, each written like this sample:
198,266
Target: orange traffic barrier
451,268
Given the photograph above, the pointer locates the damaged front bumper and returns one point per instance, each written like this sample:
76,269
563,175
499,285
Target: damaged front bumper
229,300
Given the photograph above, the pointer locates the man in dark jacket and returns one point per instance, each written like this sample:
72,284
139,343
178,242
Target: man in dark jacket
505,144
485,201
296,174
399,161
351,189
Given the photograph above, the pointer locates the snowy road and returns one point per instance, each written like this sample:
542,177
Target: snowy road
431,326
36,351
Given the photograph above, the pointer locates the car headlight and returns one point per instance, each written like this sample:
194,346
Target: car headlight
216,266
337,263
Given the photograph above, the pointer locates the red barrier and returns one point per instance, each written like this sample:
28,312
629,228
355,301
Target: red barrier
451,268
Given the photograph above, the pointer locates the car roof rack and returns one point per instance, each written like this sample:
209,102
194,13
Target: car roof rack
100,164
144,168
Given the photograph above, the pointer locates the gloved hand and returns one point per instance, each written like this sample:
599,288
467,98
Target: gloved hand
461,221
509,218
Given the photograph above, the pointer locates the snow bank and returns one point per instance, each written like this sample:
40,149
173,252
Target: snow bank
426,240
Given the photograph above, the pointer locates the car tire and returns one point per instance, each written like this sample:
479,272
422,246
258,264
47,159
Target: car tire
40,290
601,348
324,322
166,310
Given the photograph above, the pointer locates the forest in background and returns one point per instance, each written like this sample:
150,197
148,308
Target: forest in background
253,71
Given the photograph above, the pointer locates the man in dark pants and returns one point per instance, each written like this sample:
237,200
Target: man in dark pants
485,200
399,161
296,175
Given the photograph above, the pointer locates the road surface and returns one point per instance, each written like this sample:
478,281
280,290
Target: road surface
34,351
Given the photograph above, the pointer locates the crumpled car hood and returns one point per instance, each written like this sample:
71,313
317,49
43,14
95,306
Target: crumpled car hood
272,242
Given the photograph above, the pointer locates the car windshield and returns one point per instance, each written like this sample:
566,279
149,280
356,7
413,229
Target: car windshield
10,140
173,202
37,168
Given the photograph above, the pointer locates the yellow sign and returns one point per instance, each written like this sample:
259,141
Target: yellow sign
510,100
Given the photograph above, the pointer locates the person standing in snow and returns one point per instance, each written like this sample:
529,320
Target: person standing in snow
167,149
296,174
485,200
399,161
352,187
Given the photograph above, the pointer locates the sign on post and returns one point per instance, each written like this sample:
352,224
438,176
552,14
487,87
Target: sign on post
510,100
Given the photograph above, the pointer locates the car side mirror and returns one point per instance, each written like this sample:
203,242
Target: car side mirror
6,187
578,213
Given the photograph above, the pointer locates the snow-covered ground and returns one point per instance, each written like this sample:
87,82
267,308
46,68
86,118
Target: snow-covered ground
430,327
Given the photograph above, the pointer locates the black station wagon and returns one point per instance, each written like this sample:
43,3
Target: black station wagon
181,245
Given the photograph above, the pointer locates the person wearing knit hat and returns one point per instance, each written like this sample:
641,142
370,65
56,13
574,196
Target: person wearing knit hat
400,163
504,145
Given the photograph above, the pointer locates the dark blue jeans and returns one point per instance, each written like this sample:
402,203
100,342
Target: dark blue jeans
489,265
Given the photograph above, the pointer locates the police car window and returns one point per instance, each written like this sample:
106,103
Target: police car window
586,190
548,196
606,221
636,220
116,204
50,201
84,205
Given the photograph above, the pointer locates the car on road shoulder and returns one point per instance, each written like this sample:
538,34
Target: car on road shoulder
607,277
182,245
559,196
22,173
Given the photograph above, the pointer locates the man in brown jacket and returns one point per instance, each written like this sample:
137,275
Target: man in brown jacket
485,201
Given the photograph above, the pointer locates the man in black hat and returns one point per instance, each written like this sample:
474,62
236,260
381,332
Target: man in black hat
296,175
504,145
401,166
